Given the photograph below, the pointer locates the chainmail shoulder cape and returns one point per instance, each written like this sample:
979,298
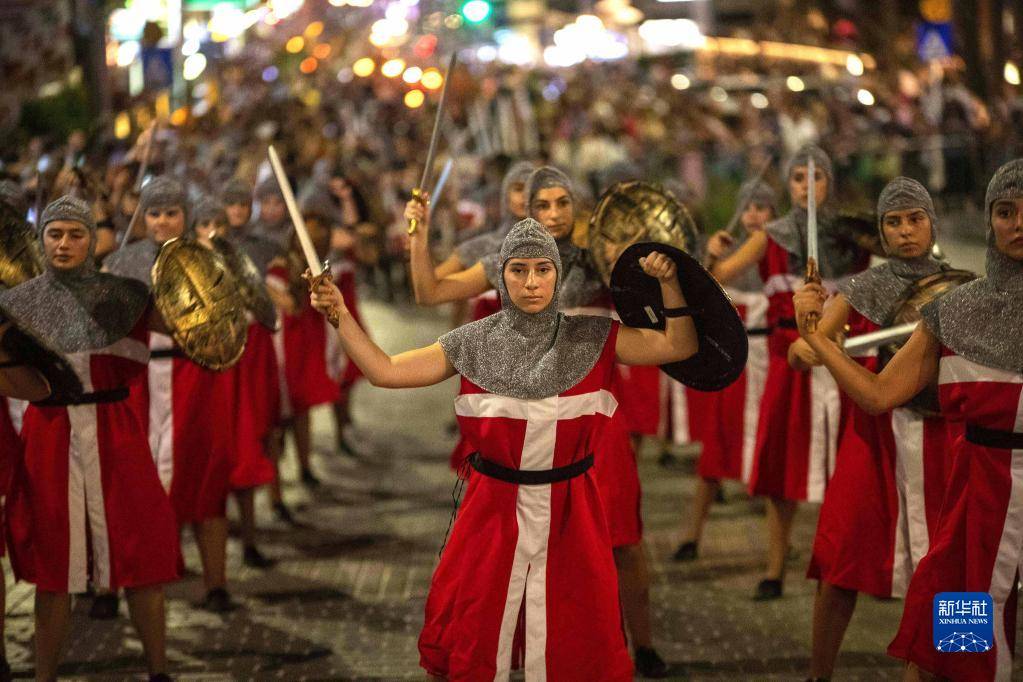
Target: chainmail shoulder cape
134,261
579,286
257,247
874,293
475,249
838,256
982,320
522,355
79,311
749,280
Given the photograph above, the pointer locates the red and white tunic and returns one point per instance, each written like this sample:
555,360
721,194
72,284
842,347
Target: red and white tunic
85,499
978,542
542,549
257,396
797,429
710,417
191,417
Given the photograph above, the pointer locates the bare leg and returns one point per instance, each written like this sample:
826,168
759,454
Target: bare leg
211,536
634,588
247,514
832,609
303,439
779,527
706,492
53,619
146,606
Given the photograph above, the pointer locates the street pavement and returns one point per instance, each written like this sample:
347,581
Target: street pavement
345,601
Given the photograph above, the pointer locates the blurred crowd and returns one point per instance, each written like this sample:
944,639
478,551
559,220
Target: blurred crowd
699,128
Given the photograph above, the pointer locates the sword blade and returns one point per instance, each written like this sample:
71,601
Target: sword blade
308,250
811,212
882,337
441,181
432,150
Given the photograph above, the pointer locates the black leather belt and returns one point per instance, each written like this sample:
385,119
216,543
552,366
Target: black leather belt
530,477
165,353
994,438
786,323
113,395
758,331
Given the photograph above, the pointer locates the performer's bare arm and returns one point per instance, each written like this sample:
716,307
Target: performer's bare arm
450,266
836,313
726,268
678,341
411,369
428,287
912,369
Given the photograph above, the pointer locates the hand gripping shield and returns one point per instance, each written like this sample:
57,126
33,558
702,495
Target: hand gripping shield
919,294
21,259
251,283
721,357
201,302
631,212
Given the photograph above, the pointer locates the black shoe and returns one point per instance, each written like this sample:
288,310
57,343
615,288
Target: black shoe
283,514
668,460
768,589
253,558
160,677
218,600
685,552
5,671
309,479
104,606
650,664
719,497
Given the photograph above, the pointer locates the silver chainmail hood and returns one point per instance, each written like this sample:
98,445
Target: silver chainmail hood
236,191
838,257
523,355
475,248
164,191
81,309
874,293
981,320
209,209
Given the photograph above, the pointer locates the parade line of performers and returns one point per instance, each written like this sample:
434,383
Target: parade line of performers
916,453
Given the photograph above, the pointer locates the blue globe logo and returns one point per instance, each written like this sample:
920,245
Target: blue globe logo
963,641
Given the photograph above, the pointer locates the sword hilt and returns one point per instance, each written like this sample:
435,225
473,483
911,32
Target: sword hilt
334,314
418,194
813,275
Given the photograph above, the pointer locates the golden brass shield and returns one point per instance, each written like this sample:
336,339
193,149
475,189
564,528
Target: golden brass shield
922,292
21,257
631,212
201,302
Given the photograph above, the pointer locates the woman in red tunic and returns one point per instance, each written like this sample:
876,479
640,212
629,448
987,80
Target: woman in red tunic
876,497
550,199
799,411
727,443
189,408
969,345
530,535
86,502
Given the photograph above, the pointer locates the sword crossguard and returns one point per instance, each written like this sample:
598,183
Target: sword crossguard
813,275
418,194
334,313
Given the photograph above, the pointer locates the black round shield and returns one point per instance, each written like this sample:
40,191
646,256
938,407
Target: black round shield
30,349
722,336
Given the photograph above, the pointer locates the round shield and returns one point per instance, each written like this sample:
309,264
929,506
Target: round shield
919,294
722,337
201,302
631,212
22,346
252,286
21,258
